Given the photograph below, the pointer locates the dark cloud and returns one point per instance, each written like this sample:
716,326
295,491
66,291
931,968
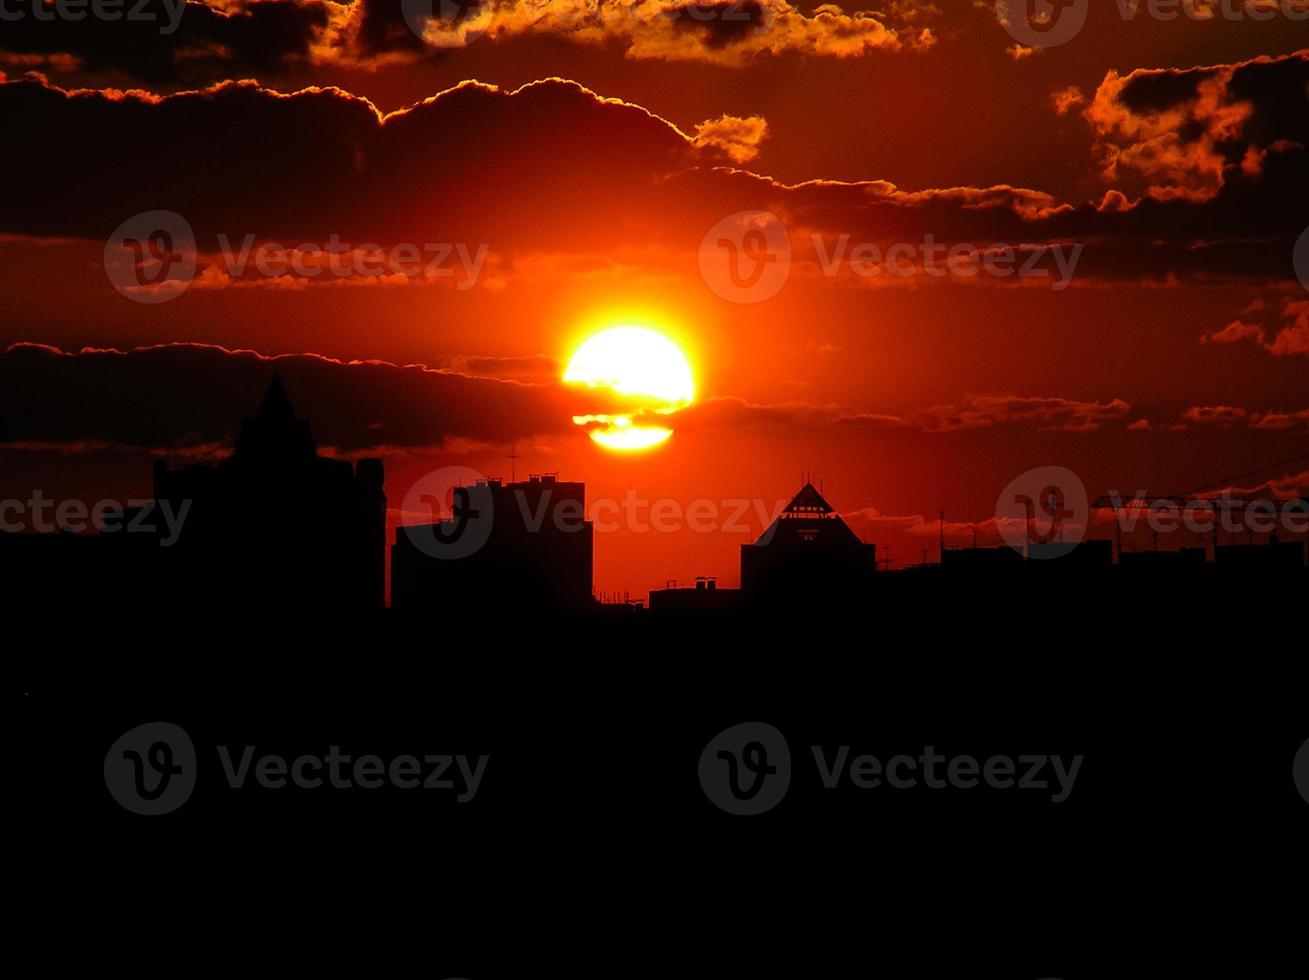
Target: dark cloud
473,164
1044,413
182,397
179,395
164,43
553,167
722,23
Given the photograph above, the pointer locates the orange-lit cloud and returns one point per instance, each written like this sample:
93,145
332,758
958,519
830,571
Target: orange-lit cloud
1186,133
1289,340
721,32
737,138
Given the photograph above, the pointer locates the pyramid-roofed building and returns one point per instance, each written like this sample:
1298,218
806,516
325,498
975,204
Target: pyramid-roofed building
807,552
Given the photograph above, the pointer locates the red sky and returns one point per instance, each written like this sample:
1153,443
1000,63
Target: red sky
590,164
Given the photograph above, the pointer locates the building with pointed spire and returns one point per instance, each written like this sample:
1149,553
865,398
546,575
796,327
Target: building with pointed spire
276,524
275,434
807,552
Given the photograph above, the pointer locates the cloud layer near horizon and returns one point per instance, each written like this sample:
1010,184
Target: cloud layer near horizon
191,397
180,396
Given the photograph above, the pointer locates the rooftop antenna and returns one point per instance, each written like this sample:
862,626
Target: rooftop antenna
513,464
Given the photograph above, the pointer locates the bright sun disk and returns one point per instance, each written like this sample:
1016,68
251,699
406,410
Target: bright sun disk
640,364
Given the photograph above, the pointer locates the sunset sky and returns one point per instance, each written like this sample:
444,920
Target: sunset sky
556,168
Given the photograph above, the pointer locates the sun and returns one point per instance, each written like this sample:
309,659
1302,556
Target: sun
643,366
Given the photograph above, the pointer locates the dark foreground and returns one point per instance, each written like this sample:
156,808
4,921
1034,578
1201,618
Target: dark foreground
591,848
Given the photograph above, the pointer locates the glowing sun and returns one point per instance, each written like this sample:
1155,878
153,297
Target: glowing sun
646,369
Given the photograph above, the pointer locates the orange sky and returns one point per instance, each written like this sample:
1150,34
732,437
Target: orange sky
1174,357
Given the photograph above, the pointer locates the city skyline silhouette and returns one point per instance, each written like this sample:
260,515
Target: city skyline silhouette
647,489
275,527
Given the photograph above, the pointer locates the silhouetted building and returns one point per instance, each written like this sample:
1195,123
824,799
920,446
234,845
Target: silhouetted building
78,573
522,546
807,551
980,561
1175,561
1272,557
703,598
1093,554
275,524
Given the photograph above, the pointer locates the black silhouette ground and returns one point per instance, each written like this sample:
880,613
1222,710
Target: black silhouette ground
591,849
